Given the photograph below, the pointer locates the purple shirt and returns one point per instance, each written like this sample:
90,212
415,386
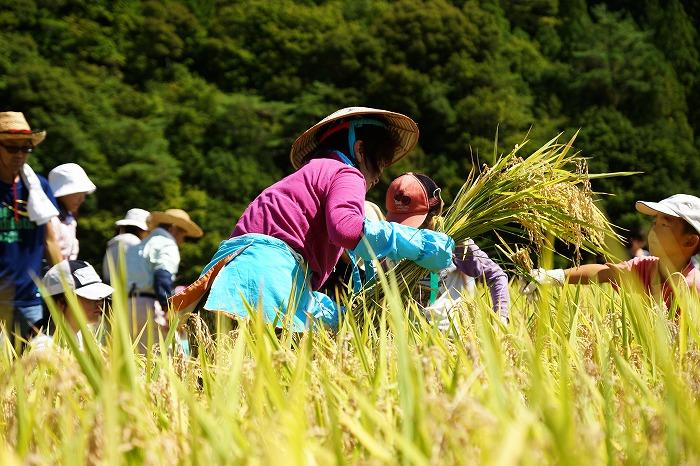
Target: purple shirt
477,263
317,210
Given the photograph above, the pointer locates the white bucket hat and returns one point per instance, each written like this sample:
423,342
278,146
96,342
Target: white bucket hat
684,206
79,276
135,217
70,178
403,126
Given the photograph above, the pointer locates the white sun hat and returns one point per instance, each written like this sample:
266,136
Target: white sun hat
70,178
405,128
684,206
76,275
135,217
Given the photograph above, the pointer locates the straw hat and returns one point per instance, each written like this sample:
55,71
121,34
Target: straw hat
70,178
177,217
403,126
13,125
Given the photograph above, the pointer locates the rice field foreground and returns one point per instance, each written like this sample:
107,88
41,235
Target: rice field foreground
584,376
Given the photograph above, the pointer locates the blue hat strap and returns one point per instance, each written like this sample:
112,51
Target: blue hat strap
344,158
356,123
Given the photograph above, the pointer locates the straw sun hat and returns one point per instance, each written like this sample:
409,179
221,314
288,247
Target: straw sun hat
177,217
403,126
13,125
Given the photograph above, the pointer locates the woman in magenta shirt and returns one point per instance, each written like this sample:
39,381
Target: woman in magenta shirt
291,236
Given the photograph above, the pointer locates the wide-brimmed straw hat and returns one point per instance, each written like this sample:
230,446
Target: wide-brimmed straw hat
13,125
177,217
405,128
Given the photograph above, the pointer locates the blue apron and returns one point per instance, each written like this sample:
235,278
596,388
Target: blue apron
268,275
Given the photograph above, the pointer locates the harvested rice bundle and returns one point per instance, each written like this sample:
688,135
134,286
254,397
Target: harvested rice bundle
545,194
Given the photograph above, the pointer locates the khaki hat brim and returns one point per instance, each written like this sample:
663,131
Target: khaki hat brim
36,137
191,229
405,128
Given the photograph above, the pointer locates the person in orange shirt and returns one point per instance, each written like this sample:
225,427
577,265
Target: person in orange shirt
673,241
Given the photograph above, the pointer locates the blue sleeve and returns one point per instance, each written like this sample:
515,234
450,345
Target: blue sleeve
163,286
429,249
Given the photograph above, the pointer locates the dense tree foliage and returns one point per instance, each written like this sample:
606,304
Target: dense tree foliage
195,103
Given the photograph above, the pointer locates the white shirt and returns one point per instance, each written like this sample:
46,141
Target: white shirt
66,235
157,251
43,342
452,284
120,242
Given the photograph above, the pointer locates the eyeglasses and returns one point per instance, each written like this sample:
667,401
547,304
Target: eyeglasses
16,149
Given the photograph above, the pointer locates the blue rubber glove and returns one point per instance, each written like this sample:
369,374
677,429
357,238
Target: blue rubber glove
427,248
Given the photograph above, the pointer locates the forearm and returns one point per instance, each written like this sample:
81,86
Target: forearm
163,286
588,273
500,296
381,239
476,263
53,250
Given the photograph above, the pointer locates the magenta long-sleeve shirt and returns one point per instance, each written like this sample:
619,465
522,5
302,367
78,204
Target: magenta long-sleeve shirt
317,210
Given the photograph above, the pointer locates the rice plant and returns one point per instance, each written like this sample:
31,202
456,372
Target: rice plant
585,375
544,195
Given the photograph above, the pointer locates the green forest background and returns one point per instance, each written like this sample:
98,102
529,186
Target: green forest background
195,104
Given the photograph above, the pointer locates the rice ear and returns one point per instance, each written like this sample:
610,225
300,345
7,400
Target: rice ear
547,193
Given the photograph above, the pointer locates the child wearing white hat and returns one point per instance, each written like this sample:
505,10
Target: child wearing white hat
673,241
130,231
78,277
70,184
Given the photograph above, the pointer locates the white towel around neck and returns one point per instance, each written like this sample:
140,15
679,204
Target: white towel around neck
39,206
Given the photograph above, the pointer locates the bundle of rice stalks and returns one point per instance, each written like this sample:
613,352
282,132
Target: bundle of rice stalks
546,194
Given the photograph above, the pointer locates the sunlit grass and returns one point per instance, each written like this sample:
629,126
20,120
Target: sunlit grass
585,375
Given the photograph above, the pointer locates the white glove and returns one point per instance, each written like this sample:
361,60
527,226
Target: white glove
543,277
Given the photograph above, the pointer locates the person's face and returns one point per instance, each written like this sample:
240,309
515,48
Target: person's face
13,154
368,171
92,308
72,202
667,237
179,234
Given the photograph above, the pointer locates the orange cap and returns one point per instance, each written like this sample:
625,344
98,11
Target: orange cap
407,199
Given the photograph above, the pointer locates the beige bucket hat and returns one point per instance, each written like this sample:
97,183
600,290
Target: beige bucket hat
13,125
177,217
403,126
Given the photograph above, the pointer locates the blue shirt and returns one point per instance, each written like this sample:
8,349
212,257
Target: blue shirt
22,246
